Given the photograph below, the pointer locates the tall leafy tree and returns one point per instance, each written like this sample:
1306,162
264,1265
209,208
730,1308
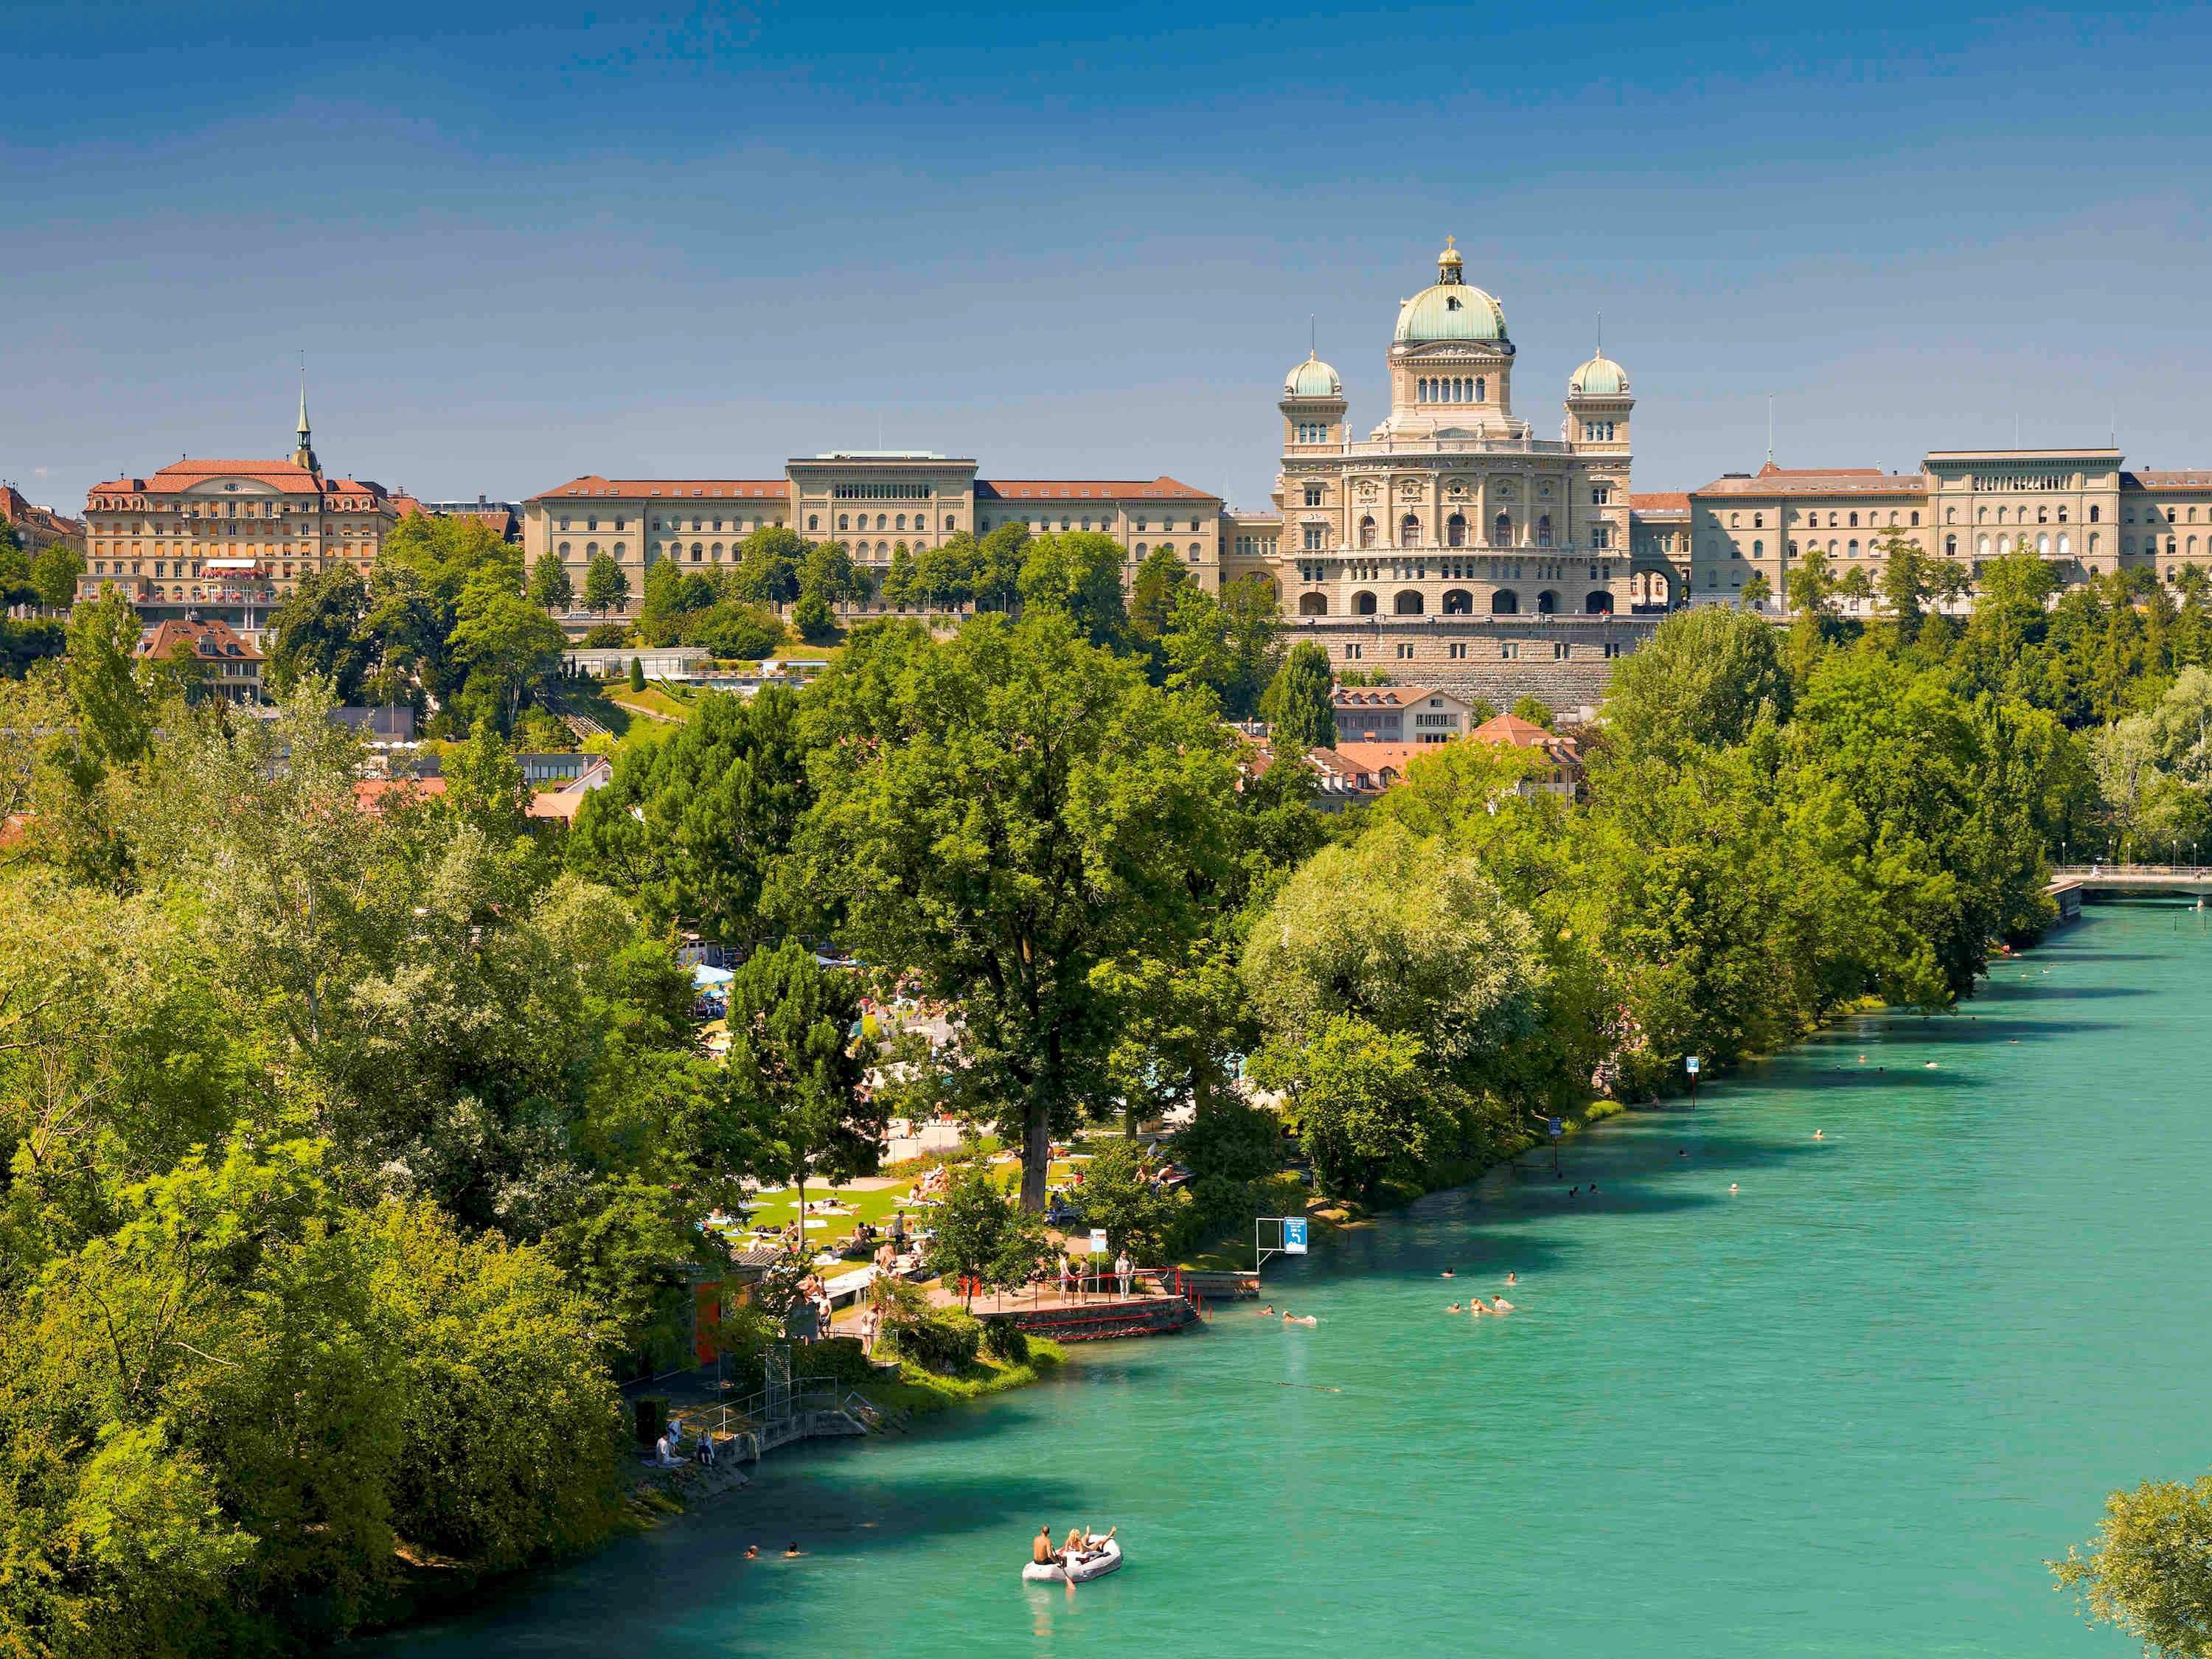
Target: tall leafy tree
504,646
321,629
1007,812
796,1064
1077,574
606,585
692,826
1299,704
549,583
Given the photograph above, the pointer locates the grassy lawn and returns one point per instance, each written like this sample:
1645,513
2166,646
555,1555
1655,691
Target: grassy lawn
589,697
655,700
918,1390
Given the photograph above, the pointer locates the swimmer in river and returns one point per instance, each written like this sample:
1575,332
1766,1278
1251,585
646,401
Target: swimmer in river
1299,1319
1574,1192
1499,1305
1682,1151
1447,1273
1731,1189
1820,1134
1454,1307
1931,1065
792,1552
1512,1278
752,1552
1269,1309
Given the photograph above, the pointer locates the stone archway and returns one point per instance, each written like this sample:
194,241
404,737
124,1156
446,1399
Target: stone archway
1313,605
1598,604
1504,603
1458,602
1362,604
1408,603
1548,604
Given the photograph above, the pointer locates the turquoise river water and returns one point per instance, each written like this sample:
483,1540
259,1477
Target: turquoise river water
1845,1411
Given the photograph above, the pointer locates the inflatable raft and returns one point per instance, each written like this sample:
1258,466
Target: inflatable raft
1106,1559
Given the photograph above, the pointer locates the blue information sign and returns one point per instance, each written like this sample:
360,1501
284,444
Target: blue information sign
1555,1129
1294,1235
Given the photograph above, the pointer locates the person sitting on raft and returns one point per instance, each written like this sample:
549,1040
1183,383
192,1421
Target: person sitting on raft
1040,1549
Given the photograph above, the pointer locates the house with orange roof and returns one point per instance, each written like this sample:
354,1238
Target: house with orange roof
222,663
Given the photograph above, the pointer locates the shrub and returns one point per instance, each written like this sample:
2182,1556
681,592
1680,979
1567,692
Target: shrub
1006,1341
606,636
812,617
838,1359
636,675
942,1342
733,630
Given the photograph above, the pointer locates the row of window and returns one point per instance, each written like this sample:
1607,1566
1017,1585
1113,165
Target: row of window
1457,602
1507,650
1452,389
1597,432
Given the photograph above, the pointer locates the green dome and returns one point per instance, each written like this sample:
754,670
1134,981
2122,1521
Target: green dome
1601,377
1312,378
1450,310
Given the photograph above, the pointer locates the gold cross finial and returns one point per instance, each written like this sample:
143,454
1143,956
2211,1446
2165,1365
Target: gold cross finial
1450,241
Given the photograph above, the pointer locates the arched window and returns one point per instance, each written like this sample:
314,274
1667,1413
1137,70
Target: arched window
1362,604
1544,531
1458,602
564,550
1599,604
1854,552
814,521
1548,604
715,552
1367,531
1478,395
1409,531
902,521
1758,549
1981,547
844,521
698,553
1502,531
2043,545
1950,546
1313,605
2065,545
2094,538
2095,512
1408,602
1140,549
1455,530
1855,521
1504,603
618,550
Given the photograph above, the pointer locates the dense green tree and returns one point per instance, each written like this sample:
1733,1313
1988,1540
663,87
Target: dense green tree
55,568
319,629
1007,811
606,585
1706,677
505,647
1366,1105
1120,1197
983,1234
796,1066
549,582
827,574
2148,1569
769,562
1534,709
1232,645
1161,579
1077,574
813,619
1300,703
692,826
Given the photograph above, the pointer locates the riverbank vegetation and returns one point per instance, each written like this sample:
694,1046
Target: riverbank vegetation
353,1151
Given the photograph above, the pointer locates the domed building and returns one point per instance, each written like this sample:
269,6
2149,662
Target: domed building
1451,510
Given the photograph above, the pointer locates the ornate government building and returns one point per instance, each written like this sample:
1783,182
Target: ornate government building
1452,546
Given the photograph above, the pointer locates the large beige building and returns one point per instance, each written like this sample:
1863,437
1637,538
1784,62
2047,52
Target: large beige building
2081,510
875,503
230,538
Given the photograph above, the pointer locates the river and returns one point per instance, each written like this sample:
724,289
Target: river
1844,1412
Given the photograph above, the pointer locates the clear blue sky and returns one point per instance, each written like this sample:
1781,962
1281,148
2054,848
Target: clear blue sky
519,242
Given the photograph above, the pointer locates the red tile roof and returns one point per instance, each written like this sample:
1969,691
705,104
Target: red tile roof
1381,696
1385,762
287,479
2197,480
370,794
1076,490
1659,500
592,485
213,640
1773,480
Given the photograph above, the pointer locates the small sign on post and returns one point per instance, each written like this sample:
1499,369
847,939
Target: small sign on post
1555,1129
1294,1234
1690,1064
1097,1241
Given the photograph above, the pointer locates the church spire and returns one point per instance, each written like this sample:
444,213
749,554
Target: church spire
304,455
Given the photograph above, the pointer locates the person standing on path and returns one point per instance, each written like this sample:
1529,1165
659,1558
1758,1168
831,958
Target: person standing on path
1124,1270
